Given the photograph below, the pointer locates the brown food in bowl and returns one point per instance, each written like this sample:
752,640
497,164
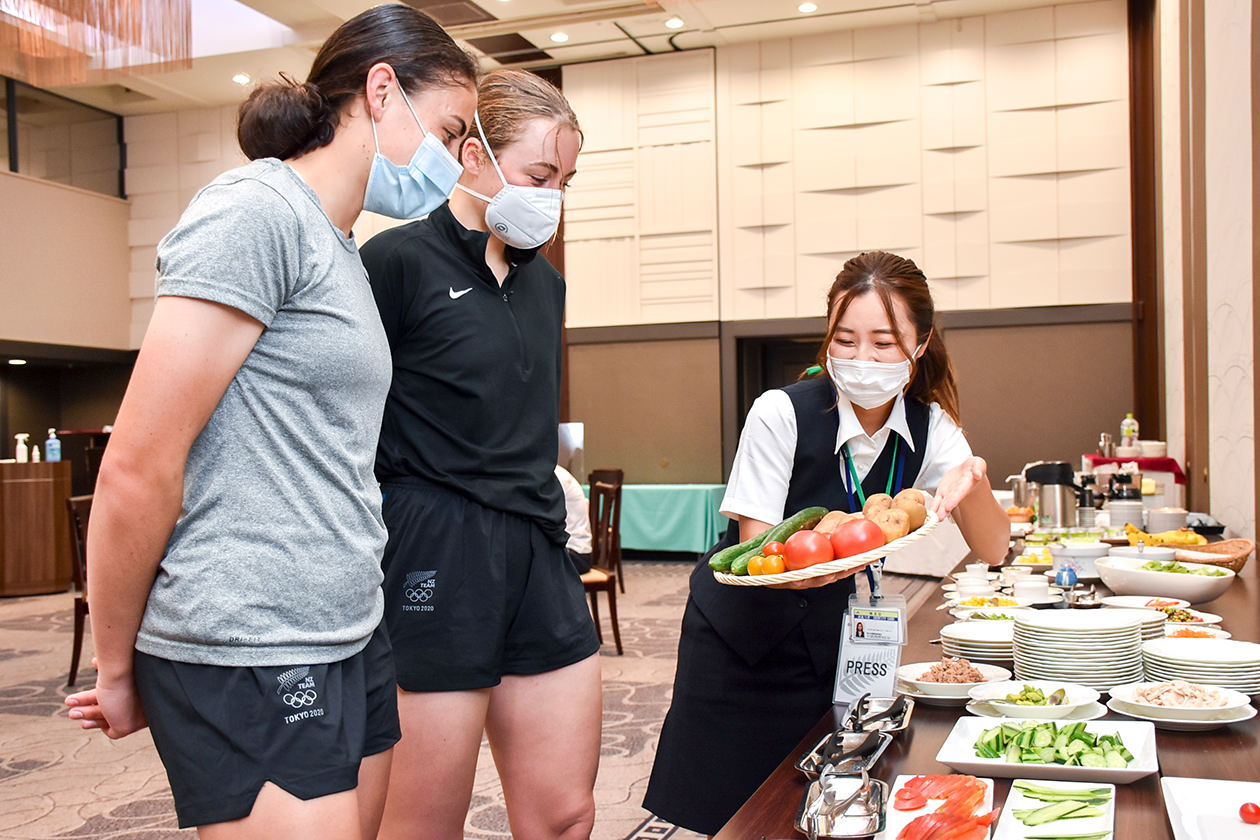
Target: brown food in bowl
952,670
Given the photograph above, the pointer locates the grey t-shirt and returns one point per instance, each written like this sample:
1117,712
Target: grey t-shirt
275,558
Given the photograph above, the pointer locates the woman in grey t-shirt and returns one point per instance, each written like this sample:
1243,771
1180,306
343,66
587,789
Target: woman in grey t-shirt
235,541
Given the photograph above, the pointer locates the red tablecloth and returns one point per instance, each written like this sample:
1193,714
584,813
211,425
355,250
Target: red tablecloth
1168,465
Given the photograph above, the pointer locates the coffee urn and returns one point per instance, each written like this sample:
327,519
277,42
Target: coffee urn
1056,493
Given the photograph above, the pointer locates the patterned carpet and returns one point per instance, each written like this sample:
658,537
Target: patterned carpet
59,782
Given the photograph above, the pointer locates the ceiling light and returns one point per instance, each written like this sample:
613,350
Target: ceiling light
806,8
559,37
674,23
17,361
241,79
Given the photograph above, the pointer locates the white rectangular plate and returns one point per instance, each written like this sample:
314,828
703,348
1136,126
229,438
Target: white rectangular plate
897,820
1208,808
959,752
1010,828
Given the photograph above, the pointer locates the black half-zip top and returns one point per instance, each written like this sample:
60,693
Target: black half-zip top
474,402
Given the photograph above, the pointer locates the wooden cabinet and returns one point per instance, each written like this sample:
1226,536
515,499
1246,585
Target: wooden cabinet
34,533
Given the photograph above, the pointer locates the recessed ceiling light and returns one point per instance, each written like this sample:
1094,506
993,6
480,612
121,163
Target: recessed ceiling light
241,79
806,8
674,23
17,361
559,37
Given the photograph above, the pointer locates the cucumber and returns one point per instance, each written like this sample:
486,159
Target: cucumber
721,561
736,557
1096,835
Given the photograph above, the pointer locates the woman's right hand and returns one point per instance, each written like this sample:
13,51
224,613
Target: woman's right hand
112,706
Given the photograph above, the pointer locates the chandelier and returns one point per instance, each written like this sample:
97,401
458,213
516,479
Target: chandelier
51,43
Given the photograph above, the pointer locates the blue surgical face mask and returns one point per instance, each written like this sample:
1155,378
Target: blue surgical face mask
414,190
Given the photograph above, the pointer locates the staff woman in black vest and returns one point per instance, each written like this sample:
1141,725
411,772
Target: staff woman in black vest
756,665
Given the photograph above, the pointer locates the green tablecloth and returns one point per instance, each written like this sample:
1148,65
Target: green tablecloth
671,517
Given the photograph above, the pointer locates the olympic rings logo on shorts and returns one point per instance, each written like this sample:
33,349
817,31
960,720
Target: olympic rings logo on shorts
300,698
414,595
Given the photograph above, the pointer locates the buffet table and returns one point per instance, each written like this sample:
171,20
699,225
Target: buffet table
1229,753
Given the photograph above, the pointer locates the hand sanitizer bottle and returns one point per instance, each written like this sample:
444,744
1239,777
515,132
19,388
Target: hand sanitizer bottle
21,453
52,447
34,453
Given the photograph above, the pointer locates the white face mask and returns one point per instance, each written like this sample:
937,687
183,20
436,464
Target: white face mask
869,384
523,217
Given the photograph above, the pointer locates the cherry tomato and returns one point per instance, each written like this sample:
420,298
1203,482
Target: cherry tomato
856,536
772,564
754,565
1250,813
772,548
805,548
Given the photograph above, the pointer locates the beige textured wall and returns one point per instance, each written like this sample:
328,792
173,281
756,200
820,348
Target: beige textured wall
652,408
64,276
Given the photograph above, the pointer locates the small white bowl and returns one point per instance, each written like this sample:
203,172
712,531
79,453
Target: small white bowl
1124,576
1153,448
1233,701
1171,631
969,613
995,695
909,674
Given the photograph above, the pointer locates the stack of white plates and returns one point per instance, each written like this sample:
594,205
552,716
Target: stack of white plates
987,641
1152,621
1224,662
1099,648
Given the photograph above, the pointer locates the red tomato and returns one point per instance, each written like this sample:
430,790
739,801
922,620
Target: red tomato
1250,813
856,536
772,548
805,548
909,800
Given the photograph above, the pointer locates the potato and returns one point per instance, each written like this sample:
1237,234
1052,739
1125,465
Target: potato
833,520
894,522
916,511
911,493
880,501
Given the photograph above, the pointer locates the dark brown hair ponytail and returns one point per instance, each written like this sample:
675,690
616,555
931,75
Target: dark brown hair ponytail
286,119
892,277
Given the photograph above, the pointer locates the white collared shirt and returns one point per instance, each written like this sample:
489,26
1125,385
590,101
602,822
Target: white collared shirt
767,447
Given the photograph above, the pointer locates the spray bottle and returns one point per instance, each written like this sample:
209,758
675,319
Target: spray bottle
52,447
21,453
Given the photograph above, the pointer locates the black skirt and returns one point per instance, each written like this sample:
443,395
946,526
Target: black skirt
756,669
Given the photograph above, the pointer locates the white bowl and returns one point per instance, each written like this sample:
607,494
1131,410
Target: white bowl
1143,602
969,613
1124,576
1079,557
956,600
1171,631
995,695
909,674
1233,701
1153,448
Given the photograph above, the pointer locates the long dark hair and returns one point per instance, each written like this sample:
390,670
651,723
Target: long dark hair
892,277
286,119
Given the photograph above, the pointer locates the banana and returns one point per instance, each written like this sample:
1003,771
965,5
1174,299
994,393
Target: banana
1181,536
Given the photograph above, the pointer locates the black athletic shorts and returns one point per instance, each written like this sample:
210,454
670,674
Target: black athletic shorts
222,732
472,594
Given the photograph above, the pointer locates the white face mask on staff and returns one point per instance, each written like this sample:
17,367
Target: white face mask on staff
869,384
523,217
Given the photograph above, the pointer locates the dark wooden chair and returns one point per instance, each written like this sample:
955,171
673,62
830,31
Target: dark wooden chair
605,499
79,509
615,478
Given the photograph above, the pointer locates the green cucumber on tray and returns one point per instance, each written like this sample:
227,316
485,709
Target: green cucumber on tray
1071,745
734,560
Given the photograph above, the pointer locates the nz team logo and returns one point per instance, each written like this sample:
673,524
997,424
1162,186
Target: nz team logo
296,690
419,589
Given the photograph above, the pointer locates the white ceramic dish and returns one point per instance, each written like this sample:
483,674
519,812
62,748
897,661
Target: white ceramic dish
930,699
1124,576
1182,724
1207,809
995,695
1143,602
1204,619
1205,651
1090,711
1233,701
1079,557
1010,828
898,820
970,613
963,575
1073,622
1171,631
909,675
959,752
955,600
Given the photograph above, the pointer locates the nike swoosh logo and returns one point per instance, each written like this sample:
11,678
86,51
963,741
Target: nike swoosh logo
457,295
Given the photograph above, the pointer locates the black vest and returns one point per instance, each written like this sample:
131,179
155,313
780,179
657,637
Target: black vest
754,620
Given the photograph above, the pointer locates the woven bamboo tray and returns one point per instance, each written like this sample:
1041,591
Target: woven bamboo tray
1228,554
832,566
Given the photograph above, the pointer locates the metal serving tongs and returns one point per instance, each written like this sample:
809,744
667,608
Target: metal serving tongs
856,709
827,806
